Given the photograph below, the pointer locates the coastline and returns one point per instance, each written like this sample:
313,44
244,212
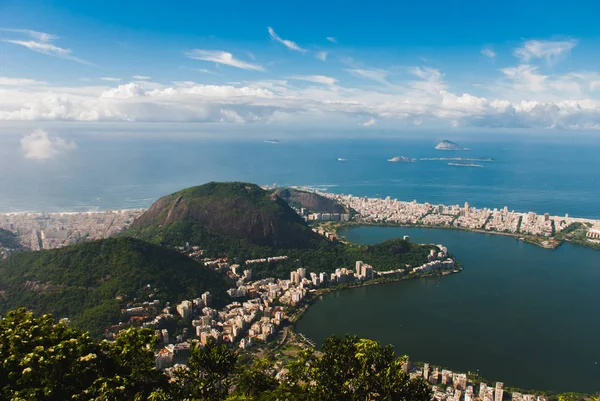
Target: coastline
307,303
524,238
472,377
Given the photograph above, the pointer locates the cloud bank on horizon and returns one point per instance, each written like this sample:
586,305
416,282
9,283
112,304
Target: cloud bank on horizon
525,91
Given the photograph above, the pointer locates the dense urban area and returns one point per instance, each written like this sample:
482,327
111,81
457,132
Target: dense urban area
542,229
261,315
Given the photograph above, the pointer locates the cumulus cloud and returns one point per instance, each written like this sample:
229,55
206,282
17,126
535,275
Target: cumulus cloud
287,43
124,91
222,57
321,55
488,53
320,79
38,145
521,97
369,122
545,49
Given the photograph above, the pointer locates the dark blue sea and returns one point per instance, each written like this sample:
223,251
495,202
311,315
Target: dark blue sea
538,173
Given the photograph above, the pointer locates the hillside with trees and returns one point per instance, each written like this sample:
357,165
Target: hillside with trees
90,282
241,221
235,210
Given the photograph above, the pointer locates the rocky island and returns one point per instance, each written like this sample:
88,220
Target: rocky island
401,159
449,145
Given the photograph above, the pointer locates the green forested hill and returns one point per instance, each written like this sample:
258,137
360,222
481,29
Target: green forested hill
83,281
234,214
242,221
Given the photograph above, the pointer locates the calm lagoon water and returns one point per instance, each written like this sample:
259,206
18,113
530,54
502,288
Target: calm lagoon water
520,314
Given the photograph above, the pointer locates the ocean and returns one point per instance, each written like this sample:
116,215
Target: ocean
531,173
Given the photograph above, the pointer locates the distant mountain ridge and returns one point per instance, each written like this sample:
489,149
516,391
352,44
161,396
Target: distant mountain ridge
224,212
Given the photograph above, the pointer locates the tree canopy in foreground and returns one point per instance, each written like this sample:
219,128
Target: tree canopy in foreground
43,360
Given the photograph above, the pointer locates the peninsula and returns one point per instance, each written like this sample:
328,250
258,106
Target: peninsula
543,230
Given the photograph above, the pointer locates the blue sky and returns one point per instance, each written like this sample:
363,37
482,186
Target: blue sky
370,65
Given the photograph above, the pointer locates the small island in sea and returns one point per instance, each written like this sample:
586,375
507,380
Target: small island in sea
341,159
462,159
272,141
462,164
449,145
401,159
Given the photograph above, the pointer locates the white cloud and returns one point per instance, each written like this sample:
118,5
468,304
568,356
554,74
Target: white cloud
320,79
331,39
546,49
287,43
124,91
488,53
369,123
48,49
141,77
430,79
40,36
110,79
6,81
426,73
521,96
321,55
222,57
374,74
230,116
38,145
525,78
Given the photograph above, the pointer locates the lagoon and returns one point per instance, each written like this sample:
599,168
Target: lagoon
517,313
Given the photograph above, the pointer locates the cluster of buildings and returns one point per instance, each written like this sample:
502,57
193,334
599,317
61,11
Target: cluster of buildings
307,216
254,317
54,230
238,322
466,216
330,236
452,386
593,234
